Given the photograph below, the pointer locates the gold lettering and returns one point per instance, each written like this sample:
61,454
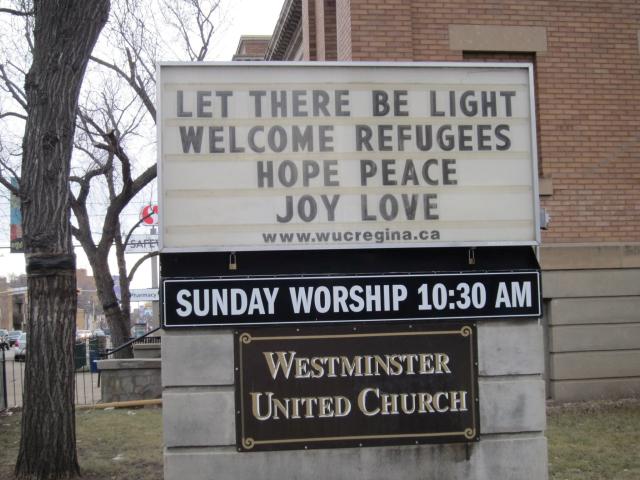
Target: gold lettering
342,406
325,407
351,369
395,363
318,369
425,400
282,407
381,363
302,368
389,404
436,401
441,363
410,358
255,405
308,403
458,401
362,401
283,363
403,403
425,363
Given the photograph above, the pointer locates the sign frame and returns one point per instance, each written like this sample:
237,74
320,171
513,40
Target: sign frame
384,245
421,317
465,331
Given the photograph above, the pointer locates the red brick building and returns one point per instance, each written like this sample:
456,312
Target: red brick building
251,47
586,58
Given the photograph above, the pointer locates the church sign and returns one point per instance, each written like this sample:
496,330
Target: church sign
355,386
264,156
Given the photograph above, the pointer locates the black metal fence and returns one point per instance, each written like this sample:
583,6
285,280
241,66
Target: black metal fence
87,377
87,388
3,383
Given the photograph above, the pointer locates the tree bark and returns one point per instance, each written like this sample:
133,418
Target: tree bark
47,447
64,35
118,321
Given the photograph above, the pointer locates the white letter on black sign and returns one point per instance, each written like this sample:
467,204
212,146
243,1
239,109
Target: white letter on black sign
185,311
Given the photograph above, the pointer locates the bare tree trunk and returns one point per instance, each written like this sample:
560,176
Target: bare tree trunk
119,324
47,448
125,292
64,35
117,318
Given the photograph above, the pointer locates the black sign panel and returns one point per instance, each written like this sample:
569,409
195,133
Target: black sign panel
339,386
237,301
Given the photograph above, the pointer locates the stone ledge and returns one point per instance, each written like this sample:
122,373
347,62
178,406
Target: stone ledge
581,256
581,390
594,365
497,38
147,350
515,457
591,283
598,310
129,364
130,379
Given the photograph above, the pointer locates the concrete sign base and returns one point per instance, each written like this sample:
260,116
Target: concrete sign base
199,418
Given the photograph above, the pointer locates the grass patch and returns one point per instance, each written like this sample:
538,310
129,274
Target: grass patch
594,440
587,441
111,444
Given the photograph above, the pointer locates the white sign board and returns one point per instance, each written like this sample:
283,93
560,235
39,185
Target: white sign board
144,295
257,156
142,244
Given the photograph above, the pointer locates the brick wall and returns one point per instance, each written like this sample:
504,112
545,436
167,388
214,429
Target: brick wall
309,30
343,29
588,94
255,47
330,30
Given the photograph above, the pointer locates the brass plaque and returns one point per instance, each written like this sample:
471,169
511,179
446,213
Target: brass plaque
356,386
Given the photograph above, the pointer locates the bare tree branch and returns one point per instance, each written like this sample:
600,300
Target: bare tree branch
16,92
140,261
13,114
85,180
132,80
17,13
189,16
138,223
5,182
8,185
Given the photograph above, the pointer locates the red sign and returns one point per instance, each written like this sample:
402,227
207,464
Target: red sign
149,215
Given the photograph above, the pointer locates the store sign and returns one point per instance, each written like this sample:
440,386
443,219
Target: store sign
233,301
256,157
149,214
142,244
144,295
348,387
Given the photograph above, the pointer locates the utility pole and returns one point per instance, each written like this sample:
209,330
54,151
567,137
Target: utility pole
154,284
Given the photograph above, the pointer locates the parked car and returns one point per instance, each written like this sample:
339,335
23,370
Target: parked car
83,334
21,344
4,339
13,336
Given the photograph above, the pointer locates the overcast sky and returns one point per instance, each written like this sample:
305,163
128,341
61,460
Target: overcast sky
242,17
248,17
